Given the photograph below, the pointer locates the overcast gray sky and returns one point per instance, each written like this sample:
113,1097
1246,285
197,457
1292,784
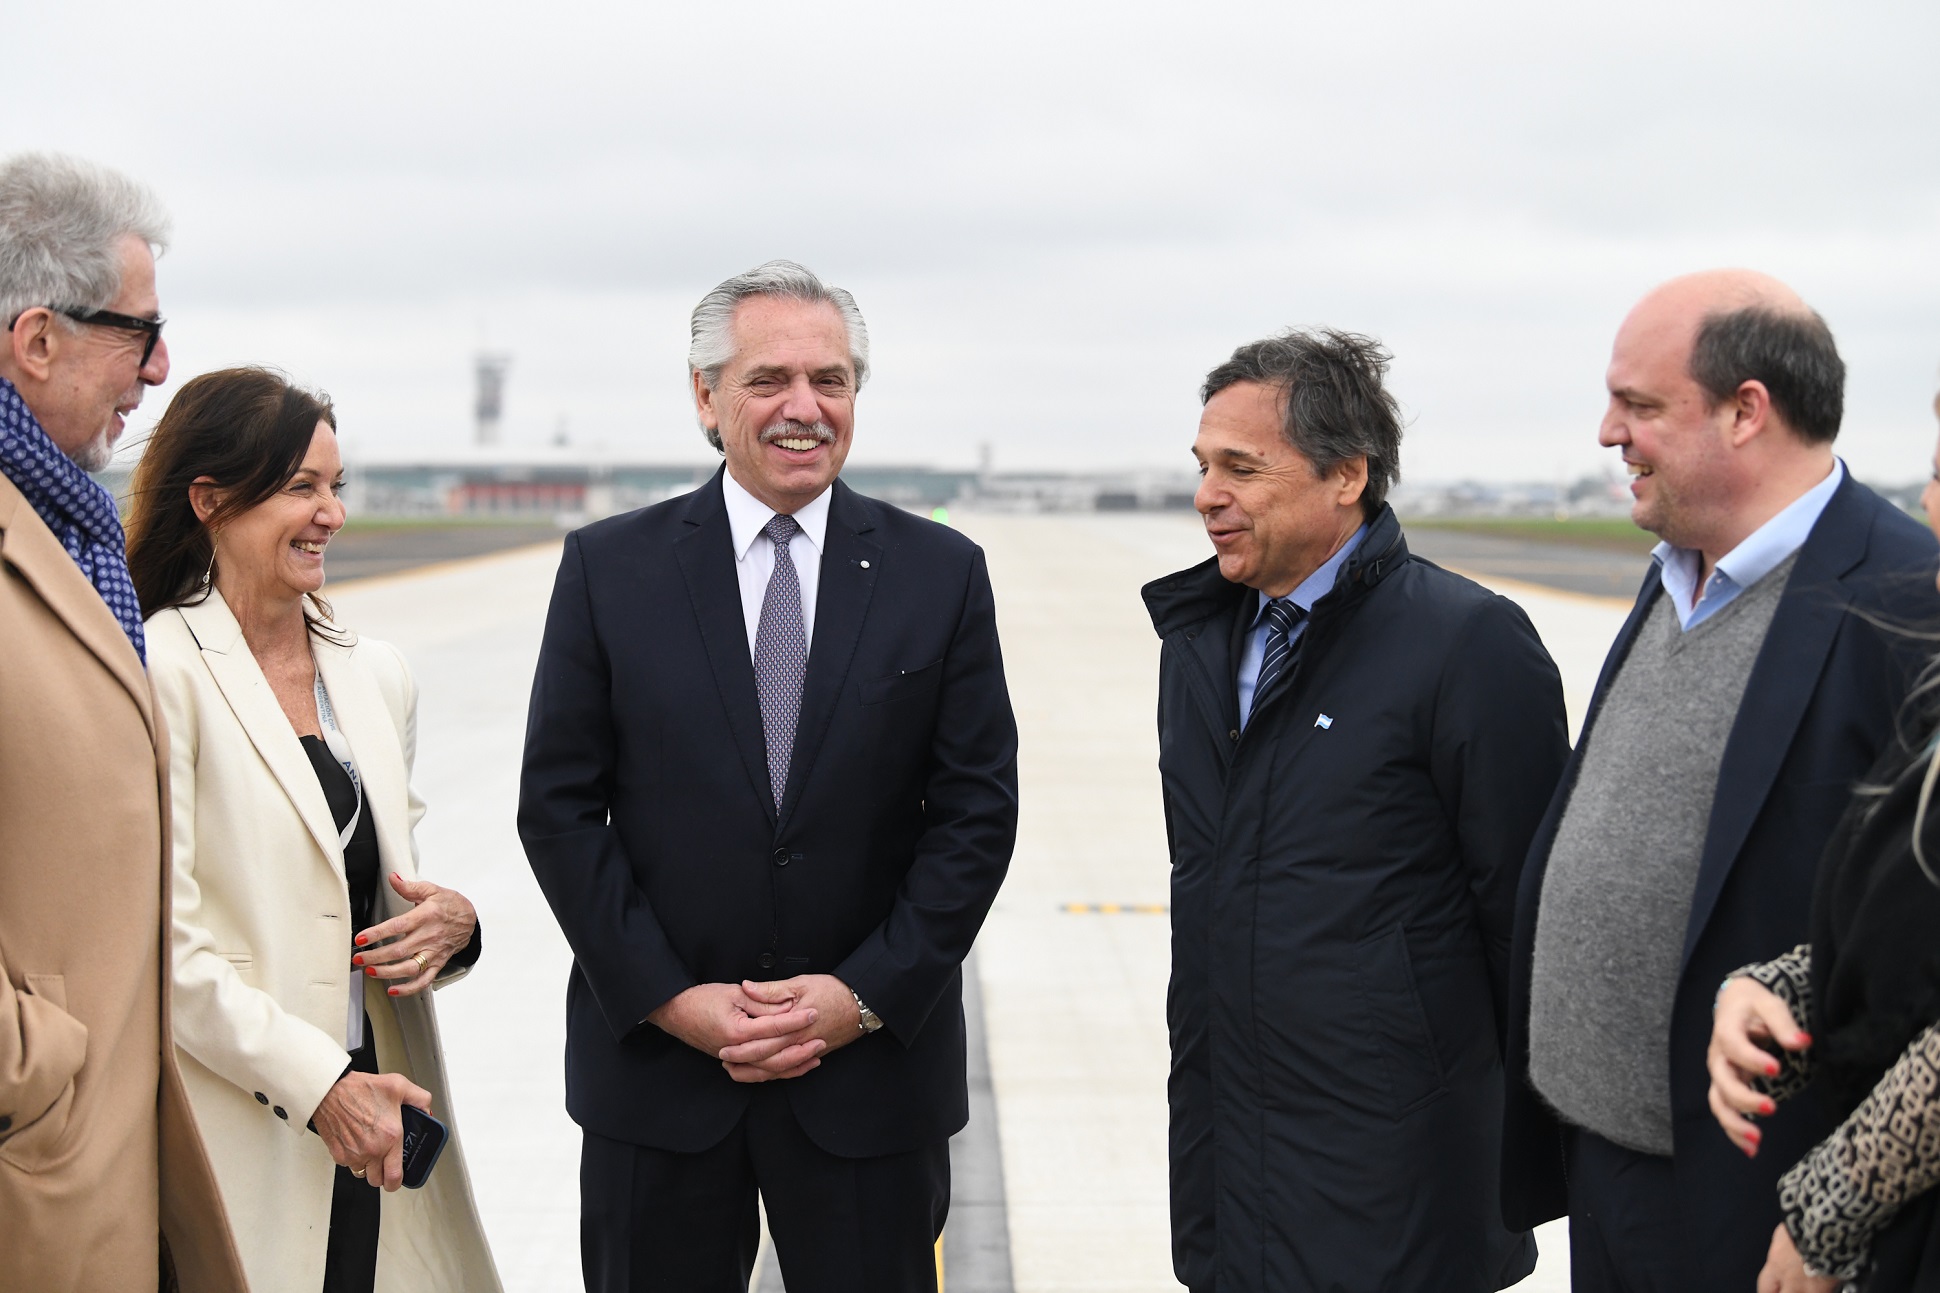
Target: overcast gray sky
1055,217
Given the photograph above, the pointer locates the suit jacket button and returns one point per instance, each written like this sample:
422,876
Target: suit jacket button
261,1098
281,1114
781,857
6,1123
1233,735
766,960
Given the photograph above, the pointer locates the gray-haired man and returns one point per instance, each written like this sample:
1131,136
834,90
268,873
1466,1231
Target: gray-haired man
770,792
98,1150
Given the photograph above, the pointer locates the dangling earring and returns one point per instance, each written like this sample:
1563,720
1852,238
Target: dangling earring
209,575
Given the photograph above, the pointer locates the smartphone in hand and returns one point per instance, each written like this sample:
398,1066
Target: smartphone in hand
424,1140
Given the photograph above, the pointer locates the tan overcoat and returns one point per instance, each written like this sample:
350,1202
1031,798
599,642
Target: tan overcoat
98,1147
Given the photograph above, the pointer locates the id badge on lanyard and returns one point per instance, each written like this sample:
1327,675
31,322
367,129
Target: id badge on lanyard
333,738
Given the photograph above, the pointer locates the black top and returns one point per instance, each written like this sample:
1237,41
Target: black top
360,856
361,864
1875,960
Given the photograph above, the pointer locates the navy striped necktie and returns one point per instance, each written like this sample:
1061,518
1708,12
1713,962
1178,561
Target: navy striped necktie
1282,615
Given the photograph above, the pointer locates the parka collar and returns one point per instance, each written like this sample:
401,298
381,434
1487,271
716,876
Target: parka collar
1198,593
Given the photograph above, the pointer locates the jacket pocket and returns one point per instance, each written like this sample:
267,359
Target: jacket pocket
38,1139
1412,1067
901,686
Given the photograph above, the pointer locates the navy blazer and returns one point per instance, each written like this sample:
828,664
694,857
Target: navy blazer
1822,703
646,813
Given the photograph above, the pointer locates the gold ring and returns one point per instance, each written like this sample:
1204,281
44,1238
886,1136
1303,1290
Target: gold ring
422,962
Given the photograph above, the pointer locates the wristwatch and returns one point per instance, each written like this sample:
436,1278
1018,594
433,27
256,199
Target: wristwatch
870,1020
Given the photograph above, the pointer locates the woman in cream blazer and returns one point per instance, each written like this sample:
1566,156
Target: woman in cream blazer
263,917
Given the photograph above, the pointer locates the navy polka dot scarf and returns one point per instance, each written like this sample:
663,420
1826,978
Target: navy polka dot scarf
76,508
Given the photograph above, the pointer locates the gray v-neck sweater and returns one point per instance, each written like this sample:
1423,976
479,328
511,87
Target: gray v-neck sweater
1617,893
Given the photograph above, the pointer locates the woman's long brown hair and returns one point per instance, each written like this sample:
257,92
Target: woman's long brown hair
247,430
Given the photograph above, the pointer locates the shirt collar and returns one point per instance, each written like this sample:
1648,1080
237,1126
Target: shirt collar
1320,582
1762,550
747,514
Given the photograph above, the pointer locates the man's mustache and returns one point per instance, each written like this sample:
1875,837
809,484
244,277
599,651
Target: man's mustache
790,430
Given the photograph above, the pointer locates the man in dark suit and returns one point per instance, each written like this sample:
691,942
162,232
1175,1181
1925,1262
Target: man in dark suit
770,792
1750,689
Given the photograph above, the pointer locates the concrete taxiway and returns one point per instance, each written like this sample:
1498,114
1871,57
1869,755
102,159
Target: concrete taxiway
1065,1187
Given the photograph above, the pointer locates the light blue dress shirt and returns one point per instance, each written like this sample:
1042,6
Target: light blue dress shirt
1746,564
1311,589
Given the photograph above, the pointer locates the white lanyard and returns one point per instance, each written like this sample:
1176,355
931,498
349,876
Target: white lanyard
340,751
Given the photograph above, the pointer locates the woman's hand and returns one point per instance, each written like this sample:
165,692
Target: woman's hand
1747,1013
1785,1270
361,1122
421,940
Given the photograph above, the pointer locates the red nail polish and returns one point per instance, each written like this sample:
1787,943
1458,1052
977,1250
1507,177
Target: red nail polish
392,991
1768,1108
1805,1039
361,940
371,970
356,960
1771,1069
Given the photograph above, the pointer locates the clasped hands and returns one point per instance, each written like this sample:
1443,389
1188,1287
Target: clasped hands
762,1032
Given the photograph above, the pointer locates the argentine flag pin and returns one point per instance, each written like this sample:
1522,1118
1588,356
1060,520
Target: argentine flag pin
1324,722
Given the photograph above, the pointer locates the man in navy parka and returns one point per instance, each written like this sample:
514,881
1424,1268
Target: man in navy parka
1355,747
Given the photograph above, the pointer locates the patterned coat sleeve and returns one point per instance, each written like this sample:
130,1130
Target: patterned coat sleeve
1790,979
1856,1180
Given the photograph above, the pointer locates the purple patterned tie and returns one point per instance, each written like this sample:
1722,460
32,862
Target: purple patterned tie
780,655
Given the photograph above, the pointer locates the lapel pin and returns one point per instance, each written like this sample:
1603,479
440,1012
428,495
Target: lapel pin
863,564
1324,722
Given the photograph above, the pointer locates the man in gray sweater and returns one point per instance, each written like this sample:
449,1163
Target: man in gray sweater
1745,696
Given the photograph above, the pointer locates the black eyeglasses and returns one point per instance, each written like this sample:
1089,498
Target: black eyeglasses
151,328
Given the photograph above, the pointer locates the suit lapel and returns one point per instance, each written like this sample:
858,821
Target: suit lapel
30,547
850,563
1783,681
706,557
241,680
367,725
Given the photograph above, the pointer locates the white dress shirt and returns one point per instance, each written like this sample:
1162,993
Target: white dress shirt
1760,553
754,552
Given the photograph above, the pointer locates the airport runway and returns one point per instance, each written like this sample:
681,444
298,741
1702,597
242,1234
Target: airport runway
392,547
1598,572
1064,1164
